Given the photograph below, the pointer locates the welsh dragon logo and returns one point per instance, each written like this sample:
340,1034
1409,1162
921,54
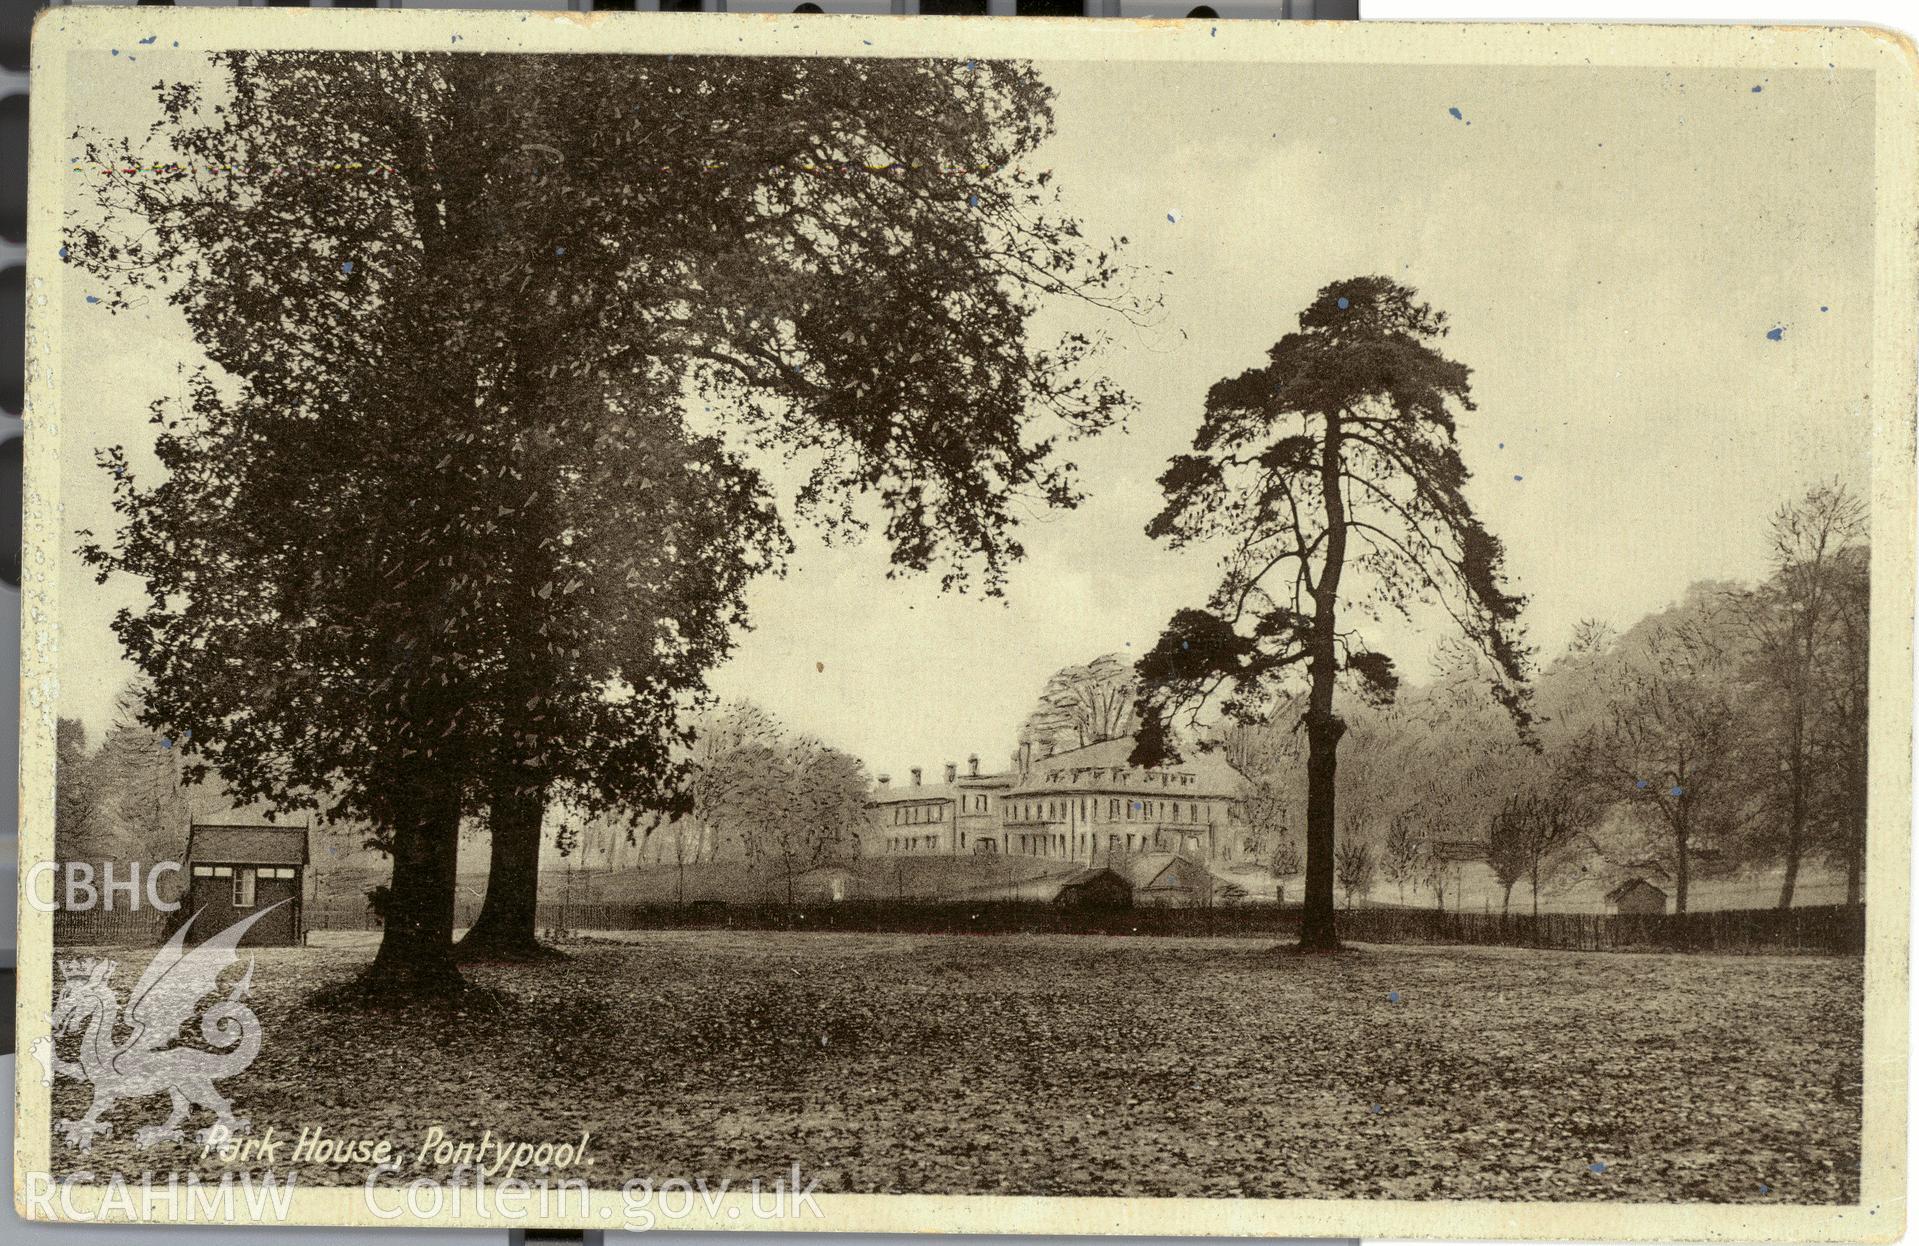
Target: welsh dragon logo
149,1060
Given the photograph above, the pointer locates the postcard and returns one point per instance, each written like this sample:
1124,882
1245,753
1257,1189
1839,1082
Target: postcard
841,623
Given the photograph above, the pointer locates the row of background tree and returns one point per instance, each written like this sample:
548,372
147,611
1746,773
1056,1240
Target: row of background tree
1725,735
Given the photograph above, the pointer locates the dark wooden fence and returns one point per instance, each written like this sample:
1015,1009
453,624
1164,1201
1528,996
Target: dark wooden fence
142,927
1827,928
1820,928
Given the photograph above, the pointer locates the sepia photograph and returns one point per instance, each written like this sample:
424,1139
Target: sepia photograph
1258,623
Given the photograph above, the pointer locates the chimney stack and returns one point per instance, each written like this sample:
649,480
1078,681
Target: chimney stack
952,772
916,776
1025,757
972,765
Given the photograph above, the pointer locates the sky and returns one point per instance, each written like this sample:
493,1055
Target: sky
1659,279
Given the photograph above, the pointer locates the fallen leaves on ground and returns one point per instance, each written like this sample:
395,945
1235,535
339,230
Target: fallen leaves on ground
1089,1066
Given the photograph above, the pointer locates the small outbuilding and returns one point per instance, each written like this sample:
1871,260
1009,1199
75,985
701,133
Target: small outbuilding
235,871
1169,880
1636,895
1095,888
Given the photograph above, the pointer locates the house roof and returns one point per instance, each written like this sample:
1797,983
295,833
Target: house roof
1104,768
1629,886
916,793
248,845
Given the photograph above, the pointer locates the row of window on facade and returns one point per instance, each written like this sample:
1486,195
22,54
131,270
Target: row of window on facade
1055,845
245,879
1142,810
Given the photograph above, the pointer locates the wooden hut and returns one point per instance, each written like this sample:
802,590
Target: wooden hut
235,871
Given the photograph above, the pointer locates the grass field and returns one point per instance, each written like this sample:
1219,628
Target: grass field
1075,1065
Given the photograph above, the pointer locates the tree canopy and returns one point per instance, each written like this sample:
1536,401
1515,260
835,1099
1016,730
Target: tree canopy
1332,475
465,483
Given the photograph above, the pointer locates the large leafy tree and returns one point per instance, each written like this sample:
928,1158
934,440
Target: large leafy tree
1332,474
378,577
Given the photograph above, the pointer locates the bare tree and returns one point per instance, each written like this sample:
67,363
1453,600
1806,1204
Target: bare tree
1838,730
1790,621
1437,873
1535,833
1400,860
1353,863
1506,855
1083,705
1669,743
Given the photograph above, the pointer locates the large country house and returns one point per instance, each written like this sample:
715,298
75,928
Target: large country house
1087,805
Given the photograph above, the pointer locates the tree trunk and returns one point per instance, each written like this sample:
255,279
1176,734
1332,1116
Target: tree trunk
1318,928
1795,822
1319,924
1506,901
416,948
1682,876
507,928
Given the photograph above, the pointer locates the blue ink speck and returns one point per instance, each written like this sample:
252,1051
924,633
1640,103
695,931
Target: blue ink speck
1599,1167
149,39
1215,32
972,201
63,251
346,266
1757,90
1642,785
1824,308
92,299
559,250
1677,791
1344,303
1519,478
166,744
1764,1188
116,51
1376,1110
1776,333
1392,997
1456,114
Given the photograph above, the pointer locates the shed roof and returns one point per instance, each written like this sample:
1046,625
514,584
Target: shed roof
1150,868
1631,885
248,845
1090,873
